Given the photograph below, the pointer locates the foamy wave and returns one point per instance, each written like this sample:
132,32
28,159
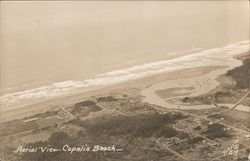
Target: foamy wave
208,57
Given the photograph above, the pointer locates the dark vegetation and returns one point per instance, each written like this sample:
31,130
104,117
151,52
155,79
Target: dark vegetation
197,128
43,114
216,131
241,74
57,140
106,99
85,106
187,144
201,99
142,125
16,126
242,159
224,93
85,103
125,105
186,99
195,140
181,147
135,132
229,94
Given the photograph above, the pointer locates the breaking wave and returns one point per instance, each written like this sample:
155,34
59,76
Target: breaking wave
207,57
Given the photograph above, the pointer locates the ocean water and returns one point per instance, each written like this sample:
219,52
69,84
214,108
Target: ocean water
204,57
53,49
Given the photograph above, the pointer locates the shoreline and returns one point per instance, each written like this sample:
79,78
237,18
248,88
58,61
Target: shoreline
206,57
142,84
160,94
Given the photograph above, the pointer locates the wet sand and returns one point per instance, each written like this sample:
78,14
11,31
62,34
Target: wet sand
144,83
189,82
200,84
189,87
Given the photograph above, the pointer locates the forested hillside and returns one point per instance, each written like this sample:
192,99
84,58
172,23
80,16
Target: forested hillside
241,74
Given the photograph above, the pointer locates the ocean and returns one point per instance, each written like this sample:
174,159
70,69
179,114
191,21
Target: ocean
53,49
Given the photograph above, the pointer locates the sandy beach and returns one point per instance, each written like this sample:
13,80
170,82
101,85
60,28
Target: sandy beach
197,85
148,87
140,84
124,81
187,76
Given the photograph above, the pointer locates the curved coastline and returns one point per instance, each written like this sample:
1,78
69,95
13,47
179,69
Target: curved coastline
201,84
204,64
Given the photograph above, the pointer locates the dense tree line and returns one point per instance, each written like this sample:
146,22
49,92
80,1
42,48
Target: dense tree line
132,129
241,74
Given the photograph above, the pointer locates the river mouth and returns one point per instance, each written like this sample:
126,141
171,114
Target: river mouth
172,93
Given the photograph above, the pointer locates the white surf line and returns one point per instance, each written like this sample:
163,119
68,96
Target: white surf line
153,98
70,87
